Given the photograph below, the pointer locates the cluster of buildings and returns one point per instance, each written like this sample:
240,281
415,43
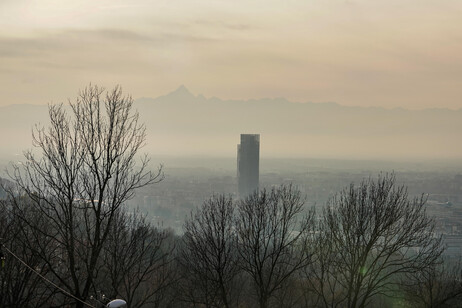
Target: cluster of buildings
174,198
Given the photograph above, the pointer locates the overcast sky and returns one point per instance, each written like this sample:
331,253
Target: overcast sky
390,53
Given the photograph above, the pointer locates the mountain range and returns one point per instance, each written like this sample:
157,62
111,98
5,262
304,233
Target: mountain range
181,123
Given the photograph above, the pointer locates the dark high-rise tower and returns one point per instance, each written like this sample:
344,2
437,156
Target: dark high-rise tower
248,164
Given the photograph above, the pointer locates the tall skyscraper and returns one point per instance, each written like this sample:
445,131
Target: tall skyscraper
248,164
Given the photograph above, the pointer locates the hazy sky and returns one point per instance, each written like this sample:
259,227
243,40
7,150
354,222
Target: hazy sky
391,53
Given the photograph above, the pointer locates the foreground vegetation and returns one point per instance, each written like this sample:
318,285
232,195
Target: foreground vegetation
371,246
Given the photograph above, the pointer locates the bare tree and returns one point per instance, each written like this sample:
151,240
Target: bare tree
86,171
137,261
209,256
437,286
369,237
20,286
273,239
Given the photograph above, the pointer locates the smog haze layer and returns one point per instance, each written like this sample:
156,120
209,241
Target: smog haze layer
182,124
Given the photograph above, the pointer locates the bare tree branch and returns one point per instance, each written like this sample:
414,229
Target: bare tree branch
86,171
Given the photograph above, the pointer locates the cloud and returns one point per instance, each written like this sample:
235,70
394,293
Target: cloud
225,25
70,40
120,35
25,47
108,34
